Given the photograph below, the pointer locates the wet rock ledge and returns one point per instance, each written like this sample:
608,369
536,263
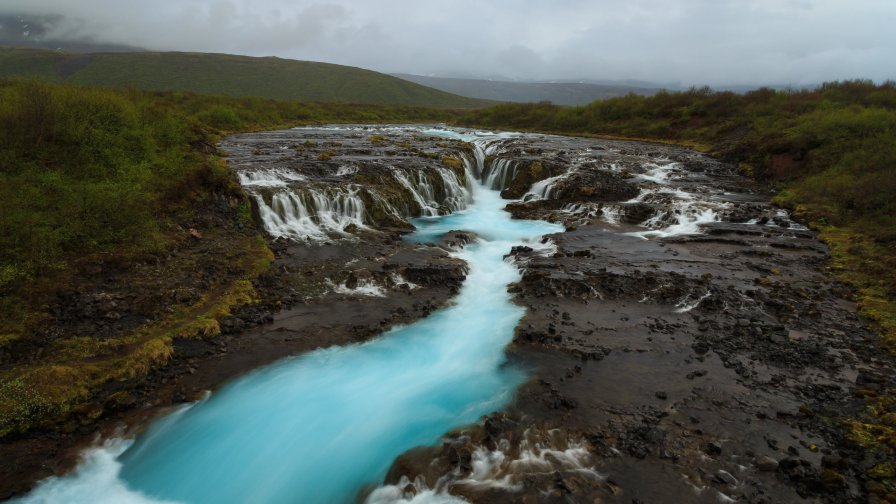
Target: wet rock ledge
718,365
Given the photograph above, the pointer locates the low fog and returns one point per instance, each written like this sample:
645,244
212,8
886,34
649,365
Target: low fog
684,42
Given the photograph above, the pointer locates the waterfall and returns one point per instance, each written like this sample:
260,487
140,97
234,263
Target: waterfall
471,168
431,196
499,174
421,192
457,196
479,153
612,214
290,206
544,189
268,178
680,213
312,213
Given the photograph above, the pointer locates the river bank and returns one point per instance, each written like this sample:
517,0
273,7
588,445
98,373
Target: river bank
683,326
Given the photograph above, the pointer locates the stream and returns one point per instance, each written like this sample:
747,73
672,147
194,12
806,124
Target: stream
325,427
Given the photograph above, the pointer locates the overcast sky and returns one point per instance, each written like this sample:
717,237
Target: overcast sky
692,42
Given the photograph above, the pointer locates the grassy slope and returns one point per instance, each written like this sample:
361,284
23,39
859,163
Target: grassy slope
30,62
274,78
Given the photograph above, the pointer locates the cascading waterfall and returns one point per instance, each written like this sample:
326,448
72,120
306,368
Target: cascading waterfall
685,215
430,196
321,427
458,196
544,189
312,213
268,178
499,173
611,214
421,192
479,153
289,207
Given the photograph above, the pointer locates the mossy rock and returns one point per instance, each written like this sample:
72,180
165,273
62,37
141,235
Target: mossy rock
882,472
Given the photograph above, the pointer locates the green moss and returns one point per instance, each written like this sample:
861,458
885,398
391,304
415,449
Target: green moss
868,265
882,471
65,383
452,162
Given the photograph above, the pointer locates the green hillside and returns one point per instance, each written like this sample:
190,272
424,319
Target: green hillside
275,78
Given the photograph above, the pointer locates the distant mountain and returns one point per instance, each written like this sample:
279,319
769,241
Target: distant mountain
38,32
560,93
226,74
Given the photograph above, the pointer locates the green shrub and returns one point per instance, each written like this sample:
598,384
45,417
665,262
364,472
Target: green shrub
220,117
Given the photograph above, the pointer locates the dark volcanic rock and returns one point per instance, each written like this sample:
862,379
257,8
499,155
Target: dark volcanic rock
714,361
436,275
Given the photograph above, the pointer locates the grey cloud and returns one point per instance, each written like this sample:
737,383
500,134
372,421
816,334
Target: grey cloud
688,41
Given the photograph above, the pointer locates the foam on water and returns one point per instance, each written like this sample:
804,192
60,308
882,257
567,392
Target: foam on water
543,189
396,494
687,222
658,173
269,178
505,467
364,288
319,427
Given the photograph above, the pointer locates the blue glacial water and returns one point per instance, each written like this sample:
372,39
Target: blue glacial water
320,427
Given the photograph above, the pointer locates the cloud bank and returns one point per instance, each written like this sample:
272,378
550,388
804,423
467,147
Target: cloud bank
691,42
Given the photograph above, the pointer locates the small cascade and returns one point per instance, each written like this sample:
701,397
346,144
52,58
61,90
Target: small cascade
457,196
499,173
507,466
312,213
658,173
471,168
583,209
269,178
478,153
346,170
544,189
364,287
685,220
679,212
421,191
612,214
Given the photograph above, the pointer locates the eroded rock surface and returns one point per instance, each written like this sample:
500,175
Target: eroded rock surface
684,336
